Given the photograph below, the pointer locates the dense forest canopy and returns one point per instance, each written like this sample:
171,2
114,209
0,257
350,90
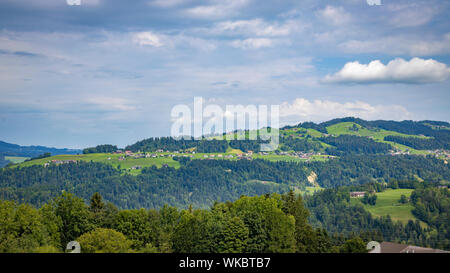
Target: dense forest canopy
106,148
348,144
420,143
201,182
261,224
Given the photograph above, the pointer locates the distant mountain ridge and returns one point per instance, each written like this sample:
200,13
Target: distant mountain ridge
8,149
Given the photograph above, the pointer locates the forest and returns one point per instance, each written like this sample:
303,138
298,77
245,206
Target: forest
348,144
105,148
202,182
325,222
420,143
331,210
260,224
263,204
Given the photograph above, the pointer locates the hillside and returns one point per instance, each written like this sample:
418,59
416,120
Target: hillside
15,153
388,203
339,152
322,162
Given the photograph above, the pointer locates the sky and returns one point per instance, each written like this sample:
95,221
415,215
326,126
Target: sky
110,71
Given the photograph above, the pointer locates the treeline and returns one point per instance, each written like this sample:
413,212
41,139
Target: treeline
321,127
345,144
105,148
260,224
198,182
362,169
432,205
348,144
165,143
211,146
420,143
406,127
299,144
201,146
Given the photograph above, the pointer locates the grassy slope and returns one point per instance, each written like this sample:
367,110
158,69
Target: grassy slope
388,203
377,135
336,129
16,159
158,161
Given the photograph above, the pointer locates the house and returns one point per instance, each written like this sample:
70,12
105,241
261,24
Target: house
357,194
137,167
388,247
64,161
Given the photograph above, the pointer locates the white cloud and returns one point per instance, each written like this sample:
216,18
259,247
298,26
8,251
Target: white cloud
147,39
334,15
415,71
302,109
217,9
252,43
255,27
172,41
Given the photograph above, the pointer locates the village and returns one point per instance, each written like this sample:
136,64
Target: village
243,155
124,155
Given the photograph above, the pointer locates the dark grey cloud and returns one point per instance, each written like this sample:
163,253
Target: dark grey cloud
20,53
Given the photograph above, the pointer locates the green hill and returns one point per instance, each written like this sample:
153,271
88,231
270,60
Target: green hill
388,204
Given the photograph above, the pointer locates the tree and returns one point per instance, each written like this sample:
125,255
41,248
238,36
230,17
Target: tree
270,229
74,217
96,203
354,245
102,240
21,229
103,215
403,199
235,236
135,225
293,205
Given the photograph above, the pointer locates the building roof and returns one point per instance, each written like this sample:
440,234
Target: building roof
388,247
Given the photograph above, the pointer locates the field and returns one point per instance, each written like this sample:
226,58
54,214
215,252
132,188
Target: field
159,161
16,159
378,135
388,203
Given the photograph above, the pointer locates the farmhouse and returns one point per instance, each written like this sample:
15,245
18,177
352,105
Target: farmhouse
357,194
63,161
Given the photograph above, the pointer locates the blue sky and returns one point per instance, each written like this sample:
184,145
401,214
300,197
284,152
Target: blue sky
110,71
